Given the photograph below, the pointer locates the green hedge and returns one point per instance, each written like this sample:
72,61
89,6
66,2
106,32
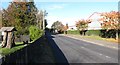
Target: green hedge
119,33
102,33
0,33
88,32
93,32
73,32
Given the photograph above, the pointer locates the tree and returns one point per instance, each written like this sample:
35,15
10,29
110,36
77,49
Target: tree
40,15
58,26
20,15
65,28
82,25
111,21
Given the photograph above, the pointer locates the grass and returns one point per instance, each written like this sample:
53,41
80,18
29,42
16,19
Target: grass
98,38
94,34
6,51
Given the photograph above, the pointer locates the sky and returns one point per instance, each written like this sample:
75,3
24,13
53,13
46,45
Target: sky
69,12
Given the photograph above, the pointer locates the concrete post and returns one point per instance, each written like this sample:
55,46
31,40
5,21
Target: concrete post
4,42
9,40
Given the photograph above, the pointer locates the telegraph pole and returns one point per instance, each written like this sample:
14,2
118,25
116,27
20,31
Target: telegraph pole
44,14
43,19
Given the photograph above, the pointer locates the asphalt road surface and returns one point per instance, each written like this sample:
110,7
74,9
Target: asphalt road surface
78,51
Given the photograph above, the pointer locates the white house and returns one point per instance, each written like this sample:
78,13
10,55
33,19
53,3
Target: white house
95,24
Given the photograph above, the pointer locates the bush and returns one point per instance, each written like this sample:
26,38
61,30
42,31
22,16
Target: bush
73,32
108,34
35,32
93,32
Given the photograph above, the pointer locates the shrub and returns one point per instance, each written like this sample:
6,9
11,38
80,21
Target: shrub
35,32
93,32
73,32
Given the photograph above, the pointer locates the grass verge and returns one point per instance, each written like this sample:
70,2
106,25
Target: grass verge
6,51
99,38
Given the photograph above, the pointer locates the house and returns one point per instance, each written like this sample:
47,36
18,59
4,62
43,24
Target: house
95,24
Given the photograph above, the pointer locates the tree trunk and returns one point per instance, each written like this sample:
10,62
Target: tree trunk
4,42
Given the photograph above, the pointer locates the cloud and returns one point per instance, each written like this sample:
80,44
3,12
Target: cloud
56,6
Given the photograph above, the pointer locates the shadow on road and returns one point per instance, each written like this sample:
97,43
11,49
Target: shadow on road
59,56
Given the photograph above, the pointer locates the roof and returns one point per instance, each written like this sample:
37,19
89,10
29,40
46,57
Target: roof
8,29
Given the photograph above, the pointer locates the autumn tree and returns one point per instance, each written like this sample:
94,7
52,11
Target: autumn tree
82,25
111,21
21,15
58,26
65,28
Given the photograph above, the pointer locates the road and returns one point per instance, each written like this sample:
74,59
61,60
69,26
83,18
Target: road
78,51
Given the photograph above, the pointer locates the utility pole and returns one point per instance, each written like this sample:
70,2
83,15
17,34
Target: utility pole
44,14
43,19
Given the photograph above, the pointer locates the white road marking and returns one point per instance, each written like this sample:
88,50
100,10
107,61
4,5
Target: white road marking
82,47
107,57
100,54
115,47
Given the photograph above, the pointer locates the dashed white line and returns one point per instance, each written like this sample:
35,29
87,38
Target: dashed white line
100,54
107,57
82,47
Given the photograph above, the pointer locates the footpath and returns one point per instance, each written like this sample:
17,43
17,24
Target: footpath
105,43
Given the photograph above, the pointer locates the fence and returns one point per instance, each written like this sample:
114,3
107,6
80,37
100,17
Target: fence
22,38
22,56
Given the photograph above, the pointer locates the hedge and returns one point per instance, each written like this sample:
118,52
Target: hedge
93,32
103,33
73,32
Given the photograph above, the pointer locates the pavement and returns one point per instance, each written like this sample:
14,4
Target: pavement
78,51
